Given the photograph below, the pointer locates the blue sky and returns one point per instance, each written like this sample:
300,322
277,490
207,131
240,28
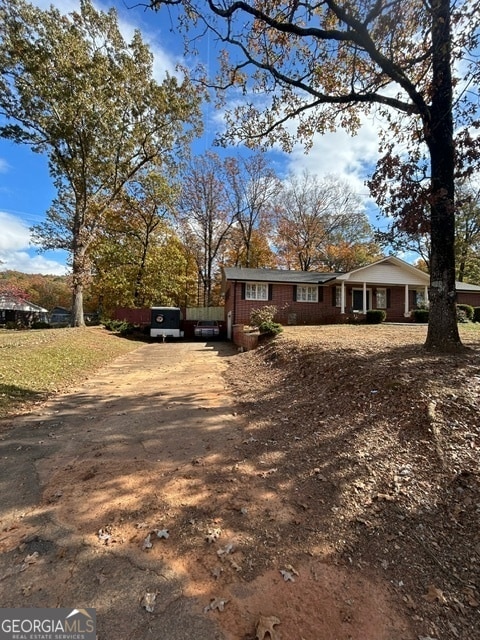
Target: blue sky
26,189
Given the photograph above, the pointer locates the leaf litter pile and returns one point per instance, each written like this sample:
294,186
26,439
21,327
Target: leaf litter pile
369,451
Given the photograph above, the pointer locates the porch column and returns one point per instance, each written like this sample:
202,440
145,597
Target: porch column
407,311
342,298
426,294
365,298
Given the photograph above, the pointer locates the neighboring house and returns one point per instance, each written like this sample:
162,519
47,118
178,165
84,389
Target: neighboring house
20,312
60,315
312,297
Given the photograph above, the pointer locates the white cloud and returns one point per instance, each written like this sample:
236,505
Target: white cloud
25,263
14,250
15,234
338,153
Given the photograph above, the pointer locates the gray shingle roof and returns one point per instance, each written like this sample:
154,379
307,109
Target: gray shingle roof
278,275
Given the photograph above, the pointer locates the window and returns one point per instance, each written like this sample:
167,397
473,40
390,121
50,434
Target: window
381,298
307,294
256,291
420,299
338,296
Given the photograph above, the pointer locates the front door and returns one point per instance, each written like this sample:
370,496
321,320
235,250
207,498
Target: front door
358,299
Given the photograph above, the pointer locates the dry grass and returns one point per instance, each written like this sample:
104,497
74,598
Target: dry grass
35,364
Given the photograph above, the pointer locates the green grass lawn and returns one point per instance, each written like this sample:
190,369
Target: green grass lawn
35,364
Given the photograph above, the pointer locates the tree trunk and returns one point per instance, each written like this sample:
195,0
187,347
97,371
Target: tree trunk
78,277
442,327
77,306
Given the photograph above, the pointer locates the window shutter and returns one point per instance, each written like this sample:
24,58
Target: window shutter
389,302
294,292
243,291
334,296
270,291
320,294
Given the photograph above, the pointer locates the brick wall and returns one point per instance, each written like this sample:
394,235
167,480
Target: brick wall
247,341
292,312
473,299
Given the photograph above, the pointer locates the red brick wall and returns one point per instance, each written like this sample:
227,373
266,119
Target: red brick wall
473,299
323,312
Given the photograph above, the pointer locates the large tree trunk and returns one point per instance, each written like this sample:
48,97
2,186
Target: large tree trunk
78,279
442,327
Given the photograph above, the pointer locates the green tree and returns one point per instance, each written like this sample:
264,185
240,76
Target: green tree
467,244
325,62
73,88
138,259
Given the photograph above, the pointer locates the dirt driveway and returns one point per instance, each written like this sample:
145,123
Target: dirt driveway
133,495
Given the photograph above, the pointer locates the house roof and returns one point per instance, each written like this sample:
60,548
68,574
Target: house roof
11,303
387,271
465,286
277,275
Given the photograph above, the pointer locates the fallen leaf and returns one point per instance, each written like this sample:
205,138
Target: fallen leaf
226,550
212,536
289,567
32,558
235,566
216,572
435,595
265,626
216,603
147,543
287,575
162,533
472,598
148,601
410,602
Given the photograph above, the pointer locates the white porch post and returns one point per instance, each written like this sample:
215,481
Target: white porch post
364,297
342,298
406,312
426,294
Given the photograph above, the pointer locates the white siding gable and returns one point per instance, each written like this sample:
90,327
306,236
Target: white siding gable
387,273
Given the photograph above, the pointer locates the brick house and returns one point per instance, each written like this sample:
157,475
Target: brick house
312,297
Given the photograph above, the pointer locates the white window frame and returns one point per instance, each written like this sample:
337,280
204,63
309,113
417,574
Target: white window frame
381,298
256,291
307,293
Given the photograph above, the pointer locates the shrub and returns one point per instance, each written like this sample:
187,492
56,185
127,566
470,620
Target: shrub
420,315
262,315
467,309
375,316
461,316
40,325
121,326
270,328
476,314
